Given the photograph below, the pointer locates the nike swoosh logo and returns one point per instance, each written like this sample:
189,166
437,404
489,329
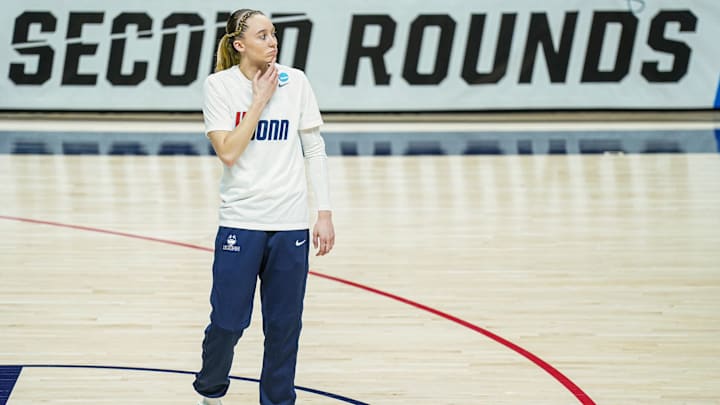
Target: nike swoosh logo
300,243
282,84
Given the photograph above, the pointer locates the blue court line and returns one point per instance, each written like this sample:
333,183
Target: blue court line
8,377
717,96
717,138
13,372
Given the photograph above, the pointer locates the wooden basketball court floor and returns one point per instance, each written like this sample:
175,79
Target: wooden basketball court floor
455,280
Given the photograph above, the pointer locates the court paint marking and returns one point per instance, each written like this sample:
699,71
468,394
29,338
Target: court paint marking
11,369
8,377
581,396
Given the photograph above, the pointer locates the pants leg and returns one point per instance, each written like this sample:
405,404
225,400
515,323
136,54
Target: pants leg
282,290
218,346
237,262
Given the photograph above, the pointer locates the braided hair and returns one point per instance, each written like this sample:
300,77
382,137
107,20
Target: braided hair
227,56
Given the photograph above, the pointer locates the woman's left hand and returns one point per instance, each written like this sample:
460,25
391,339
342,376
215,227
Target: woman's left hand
323,233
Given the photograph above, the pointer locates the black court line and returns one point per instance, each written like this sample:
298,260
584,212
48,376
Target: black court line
10,373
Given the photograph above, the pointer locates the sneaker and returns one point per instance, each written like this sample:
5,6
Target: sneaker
210,401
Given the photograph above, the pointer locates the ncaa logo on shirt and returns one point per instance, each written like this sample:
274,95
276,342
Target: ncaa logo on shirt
283,79
230,244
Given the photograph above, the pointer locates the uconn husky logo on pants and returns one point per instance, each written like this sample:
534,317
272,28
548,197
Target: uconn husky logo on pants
267,130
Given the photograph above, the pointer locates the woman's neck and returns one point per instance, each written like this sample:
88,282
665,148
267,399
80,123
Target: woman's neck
249,70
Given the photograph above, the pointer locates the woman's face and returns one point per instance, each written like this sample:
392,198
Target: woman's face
258,45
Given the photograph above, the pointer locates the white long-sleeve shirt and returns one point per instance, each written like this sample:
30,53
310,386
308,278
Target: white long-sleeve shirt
266,188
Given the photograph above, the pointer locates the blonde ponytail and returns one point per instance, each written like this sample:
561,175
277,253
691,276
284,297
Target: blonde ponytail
227,56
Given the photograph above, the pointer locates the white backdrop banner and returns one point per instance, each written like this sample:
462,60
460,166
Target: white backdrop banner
371,55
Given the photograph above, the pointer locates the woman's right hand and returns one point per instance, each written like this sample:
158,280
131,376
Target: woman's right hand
264,84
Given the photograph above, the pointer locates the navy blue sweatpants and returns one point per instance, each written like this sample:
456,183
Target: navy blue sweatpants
280,260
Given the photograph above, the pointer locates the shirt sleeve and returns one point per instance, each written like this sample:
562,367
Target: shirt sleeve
310,112
314,150
216,111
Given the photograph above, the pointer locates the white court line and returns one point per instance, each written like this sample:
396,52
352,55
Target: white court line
173,127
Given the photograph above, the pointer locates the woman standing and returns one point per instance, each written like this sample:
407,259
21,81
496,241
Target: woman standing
262,120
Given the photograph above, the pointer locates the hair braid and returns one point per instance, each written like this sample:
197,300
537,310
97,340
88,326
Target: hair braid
227,56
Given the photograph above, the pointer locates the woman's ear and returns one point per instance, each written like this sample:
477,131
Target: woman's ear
239,46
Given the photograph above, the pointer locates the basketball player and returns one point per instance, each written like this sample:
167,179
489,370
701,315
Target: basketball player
262,120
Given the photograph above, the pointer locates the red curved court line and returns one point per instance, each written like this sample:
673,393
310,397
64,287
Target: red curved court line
555,373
